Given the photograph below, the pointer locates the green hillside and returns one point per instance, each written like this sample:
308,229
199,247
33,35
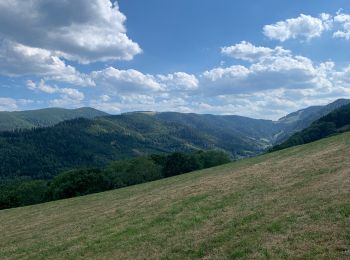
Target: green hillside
45,152
335,122
42,153
44,117
291,204
299,120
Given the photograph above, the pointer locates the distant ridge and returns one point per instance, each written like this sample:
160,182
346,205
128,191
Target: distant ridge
96,142
310,114
10,121
336,121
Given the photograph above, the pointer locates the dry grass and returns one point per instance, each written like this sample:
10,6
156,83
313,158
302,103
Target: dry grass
293,204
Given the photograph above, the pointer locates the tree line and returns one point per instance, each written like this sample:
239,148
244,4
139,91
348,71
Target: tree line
118,174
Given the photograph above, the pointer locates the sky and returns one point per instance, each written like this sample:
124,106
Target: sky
262,58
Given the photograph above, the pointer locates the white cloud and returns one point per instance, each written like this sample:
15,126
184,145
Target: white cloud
85,31
274,70
105,98
304,26
71,93
10,104
179,81
344,21
18,60
120,82
236,72
66,93
109,107
125,81
66,102
342,78
249,52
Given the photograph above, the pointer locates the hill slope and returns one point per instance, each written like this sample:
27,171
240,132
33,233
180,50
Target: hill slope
45,152
42,153
44,117
332,123
293,203
302,119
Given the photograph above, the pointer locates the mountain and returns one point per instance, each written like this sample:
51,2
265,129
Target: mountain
10,121
293,204
332,123
44,152
301,119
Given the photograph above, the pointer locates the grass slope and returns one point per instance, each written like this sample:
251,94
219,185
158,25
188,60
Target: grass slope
293,203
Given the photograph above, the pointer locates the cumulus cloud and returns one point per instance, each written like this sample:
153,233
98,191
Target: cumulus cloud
249,52
80,30
179,81
125,81
132,81
66,93
308,27
344,21
269,72
18,60
304,26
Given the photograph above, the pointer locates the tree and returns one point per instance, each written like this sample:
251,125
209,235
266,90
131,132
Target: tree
212,158
78,182
179,163
133,171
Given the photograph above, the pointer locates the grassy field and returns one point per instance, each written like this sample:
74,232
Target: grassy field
291,204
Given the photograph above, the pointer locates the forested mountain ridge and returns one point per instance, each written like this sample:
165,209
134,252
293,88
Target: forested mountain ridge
44,117
305,117
45,152
334,122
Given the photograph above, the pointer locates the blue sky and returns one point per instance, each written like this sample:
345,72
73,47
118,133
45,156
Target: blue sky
261,59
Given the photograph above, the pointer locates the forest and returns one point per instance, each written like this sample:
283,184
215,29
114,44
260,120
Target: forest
23,191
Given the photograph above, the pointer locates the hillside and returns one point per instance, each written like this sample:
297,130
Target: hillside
44,117
43,153
299,120
293,203
335,122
